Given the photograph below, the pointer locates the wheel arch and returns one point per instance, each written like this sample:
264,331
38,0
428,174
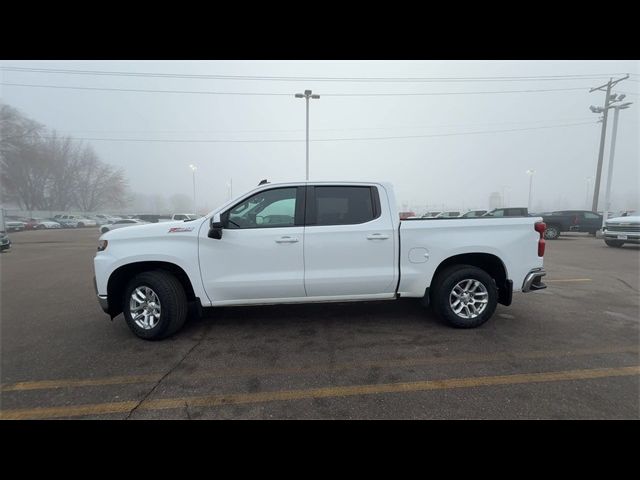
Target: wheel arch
488,262
122,275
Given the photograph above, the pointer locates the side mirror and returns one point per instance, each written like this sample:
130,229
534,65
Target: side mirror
215,228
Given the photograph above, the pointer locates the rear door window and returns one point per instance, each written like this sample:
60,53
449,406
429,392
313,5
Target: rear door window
342,205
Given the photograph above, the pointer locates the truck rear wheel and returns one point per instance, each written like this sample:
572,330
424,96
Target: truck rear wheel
154,305
464,296
552,232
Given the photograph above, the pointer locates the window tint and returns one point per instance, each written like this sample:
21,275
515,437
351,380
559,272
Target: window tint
498,213
342,206
590,215
271,208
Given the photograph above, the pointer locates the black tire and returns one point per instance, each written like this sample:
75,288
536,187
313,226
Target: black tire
443,286
80,224
614,243
552,232
173,301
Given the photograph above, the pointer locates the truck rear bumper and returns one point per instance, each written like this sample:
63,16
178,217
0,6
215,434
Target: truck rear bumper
533,280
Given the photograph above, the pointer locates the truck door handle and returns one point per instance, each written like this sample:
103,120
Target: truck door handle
377,236
287,239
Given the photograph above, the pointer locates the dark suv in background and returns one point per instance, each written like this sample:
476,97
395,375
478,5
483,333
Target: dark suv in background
571,221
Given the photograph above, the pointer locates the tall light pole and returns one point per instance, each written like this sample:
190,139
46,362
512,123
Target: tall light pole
603,133
586,203
607,195
307,95
193,170
530,173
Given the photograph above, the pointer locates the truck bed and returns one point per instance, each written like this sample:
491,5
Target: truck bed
425,244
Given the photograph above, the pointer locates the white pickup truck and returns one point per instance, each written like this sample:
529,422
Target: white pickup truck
315,242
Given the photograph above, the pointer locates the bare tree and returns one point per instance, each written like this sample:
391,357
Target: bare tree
21,161
63,159
98,184
52,172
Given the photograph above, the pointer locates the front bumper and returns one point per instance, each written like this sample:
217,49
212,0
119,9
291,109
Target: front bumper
104,303
103,300
533,280
631,237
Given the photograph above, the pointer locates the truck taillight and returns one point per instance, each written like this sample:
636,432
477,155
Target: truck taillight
540,227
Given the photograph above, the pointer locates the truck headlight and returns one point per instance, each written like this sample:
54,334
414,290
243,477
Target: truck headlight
102,245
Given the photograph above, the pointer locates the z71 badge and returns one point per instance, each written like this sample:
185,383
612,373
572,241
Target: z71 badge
180,229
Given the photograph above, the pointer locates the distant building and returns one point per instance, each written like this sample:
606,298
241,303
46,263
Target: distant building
495,200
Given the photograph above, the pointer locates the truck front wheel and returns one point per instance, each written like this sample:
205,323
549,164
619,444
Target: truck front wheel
154,305
464,296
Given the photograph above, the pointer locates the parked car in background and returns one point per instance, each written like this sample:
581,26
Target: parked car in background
102,219
620,230
473,214
5,243
184,216
508,212
14,225
154,218
75,221
406,215
431,214
42,224
125,222
571,221
450,214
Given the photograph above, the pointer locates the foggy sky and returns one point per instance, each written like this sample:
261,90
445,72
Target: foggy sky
457,172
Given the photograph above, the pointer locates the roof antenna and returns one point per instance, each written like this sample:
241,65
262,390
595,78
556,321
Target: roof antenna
262,182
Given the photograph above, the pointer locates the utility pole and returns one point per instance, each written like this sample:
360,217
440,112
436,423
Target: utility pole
607,195
193,169
603,134
530,173
586,203
307,95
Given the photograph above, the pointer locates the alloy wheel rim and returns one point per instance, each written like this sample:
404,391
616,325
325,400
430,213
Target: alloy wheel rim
469,298
144,307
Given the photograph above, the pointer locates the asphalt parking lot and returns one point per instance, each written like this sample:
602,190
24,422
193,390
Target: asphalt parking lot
568,352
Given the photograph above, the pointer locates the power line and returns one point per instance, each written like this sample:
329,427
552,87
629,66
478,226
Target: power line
149,140
396,127
144,90
451,93
309,78
201,92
